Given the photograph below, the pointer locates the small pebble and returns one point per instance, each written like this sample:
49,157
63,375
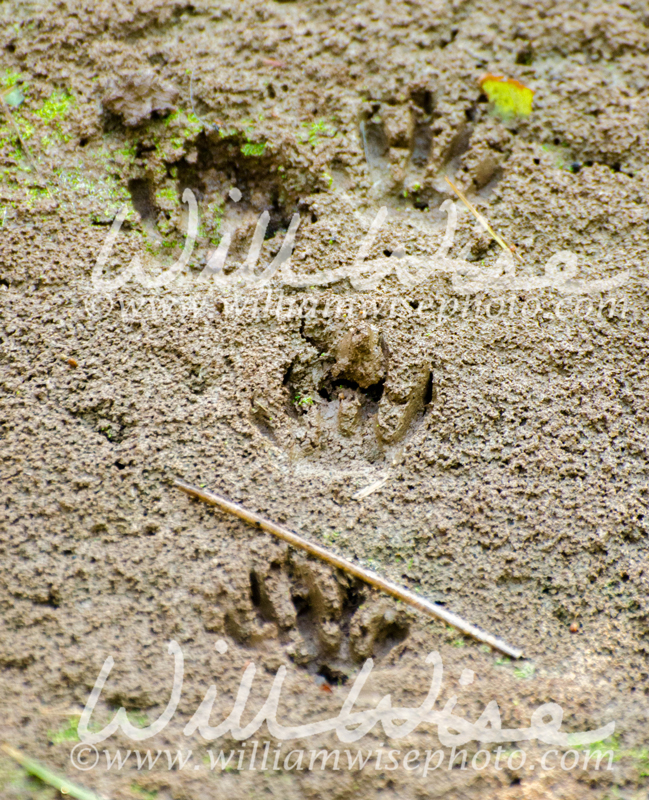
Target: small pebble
574,627
72,362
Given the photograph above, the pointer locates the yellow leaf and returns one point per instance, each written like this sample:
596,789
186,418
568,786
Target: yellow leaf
509,97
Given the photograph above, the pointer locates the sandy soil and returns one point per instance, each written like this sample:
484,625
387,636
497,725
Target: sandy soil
511,429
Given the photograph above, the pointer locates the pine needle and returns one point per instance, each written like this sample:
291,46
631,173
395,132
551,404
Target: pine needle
508,248
366,575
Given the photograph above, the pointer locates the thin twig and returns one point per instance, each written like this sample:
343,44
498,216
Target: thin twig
431,609
64,786
508,248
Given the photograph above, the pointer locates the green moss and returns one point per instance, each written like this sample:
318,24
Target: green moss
525,672
24,126
142,792
315,131
68,733
138,718
303,400
106,194
9,139
173,117
642,761
251,148
217,209
128,152
56,107
212,219
165,226
167,197
107,430
35,193
193,122
414,189
53,112
189,124
256,150
9,78
638,757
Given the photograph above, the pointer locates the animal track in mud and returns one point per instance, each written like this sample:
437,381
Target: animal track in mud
143,199
376,144
326,621
271,176
356,388
269,180
410,147
345,393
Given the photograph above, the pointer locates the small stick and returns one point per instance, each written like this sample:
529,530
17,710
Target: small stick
483,221
64,786
406,596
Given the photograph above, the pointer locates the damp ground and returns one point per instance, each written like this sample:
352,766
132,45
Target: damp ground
505,431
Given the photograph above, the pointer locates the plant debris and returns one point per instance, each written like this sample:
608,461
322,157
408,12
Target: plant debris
508,248
44,774
508,97
405,595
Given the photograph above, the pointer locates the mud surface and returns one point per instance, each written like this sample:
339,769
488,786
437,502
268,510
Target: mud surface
506,430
